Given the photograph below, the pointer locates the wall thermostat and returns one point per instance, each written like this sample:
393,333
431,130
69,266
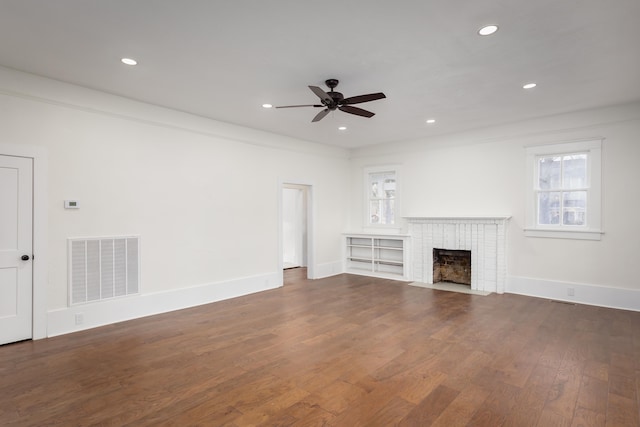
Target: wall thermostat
71,204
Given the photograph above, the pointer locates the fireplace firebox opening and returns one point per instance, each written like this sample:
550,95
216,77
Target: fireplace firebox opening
452,266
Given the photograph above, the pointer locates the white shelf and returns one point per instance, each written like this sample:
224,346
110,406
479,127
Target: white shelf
387,261
352,258
378,255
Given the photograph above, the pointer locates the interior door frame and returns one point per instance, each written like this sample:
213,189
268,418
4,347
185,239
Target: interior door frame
282,183
40,230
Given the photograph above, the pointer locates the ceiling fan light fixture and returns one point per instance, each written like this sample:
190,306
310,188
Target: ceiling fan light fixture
267,105
487,30
529,86
342,128
129,61
431,121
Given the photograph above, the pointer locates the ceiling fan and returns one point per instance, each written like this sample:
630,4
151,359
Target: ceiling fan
332,101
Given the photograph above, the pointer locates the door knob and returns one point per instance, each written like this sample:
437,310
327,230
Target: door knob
25,257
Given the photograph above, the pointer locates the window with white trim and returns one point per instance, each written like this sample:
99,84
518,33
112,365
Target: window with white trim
381,189
564,192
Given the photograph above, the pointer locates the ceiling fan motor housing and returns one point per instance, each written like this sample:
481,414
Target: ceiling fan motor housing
335,96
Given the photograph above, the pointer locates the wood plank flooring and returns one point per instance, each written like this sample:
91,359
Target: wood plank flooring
343,351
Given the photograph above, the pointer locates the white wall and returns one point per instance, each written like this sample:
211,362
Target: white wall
483,173
202,195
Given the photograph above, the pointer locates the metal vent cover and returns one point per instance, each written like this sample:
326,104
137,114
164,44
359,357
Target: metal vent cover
103,267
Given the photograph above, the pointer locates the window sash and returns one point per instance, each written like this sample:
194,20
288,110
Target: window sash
567,215
563,185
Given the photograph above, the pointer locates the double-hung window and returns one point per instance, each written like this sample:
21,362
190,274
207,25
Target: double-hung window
381,196
561,190
564,190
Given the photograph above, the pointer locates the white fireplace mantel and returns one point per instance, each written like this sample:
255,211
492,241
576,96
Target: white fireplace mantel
456,218
484,236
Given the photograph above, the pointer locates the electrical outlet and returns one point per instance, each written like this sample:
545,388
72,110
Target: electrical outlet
79,318
571,292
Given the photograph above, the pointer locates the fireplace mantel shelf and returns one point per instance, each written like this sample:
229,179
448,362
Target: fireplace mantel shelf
460,218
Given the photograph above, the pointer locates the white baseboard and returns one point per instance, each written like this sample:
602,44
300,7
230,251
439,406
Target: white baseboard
63,321
328,269
625,299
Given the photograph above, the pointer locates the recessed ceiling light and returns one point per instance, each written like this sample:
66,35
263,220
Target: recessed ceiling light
267,106
129,61
488,30
529,86
342,128
431,121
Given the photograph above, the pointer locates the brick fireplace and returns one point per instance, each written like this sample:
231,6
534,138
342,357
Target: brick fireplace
483,237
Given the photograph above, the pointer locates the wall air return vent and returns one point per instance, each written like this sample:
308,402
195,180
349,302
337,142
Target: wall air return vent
103,267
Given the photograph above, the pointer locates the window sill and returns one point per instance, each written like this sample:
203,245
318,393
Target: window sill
564,233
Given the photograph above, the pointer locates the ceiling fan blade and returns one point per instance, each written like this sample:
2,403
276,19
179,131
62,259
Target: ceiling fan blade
357,111
320,115
362,98
295,106
324,96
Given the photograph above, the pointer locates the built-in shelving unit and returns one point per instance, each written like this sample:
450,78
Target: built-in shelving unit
379,255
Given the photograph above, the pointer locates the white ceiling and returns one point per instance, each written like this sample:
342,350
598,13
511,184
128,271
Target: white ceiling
224,59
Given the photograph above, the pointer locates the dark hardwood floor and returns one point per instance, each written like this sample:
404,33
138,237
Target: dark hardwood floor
343,351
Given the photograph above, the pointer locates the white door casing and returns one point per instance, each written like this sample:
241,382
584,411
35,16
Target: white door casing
16,242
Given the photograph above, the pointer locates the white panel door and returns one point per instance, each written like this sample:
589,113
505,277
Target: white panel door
16,217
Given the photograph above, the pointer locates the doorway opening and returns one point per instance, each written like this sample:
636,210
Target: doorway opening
295,225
